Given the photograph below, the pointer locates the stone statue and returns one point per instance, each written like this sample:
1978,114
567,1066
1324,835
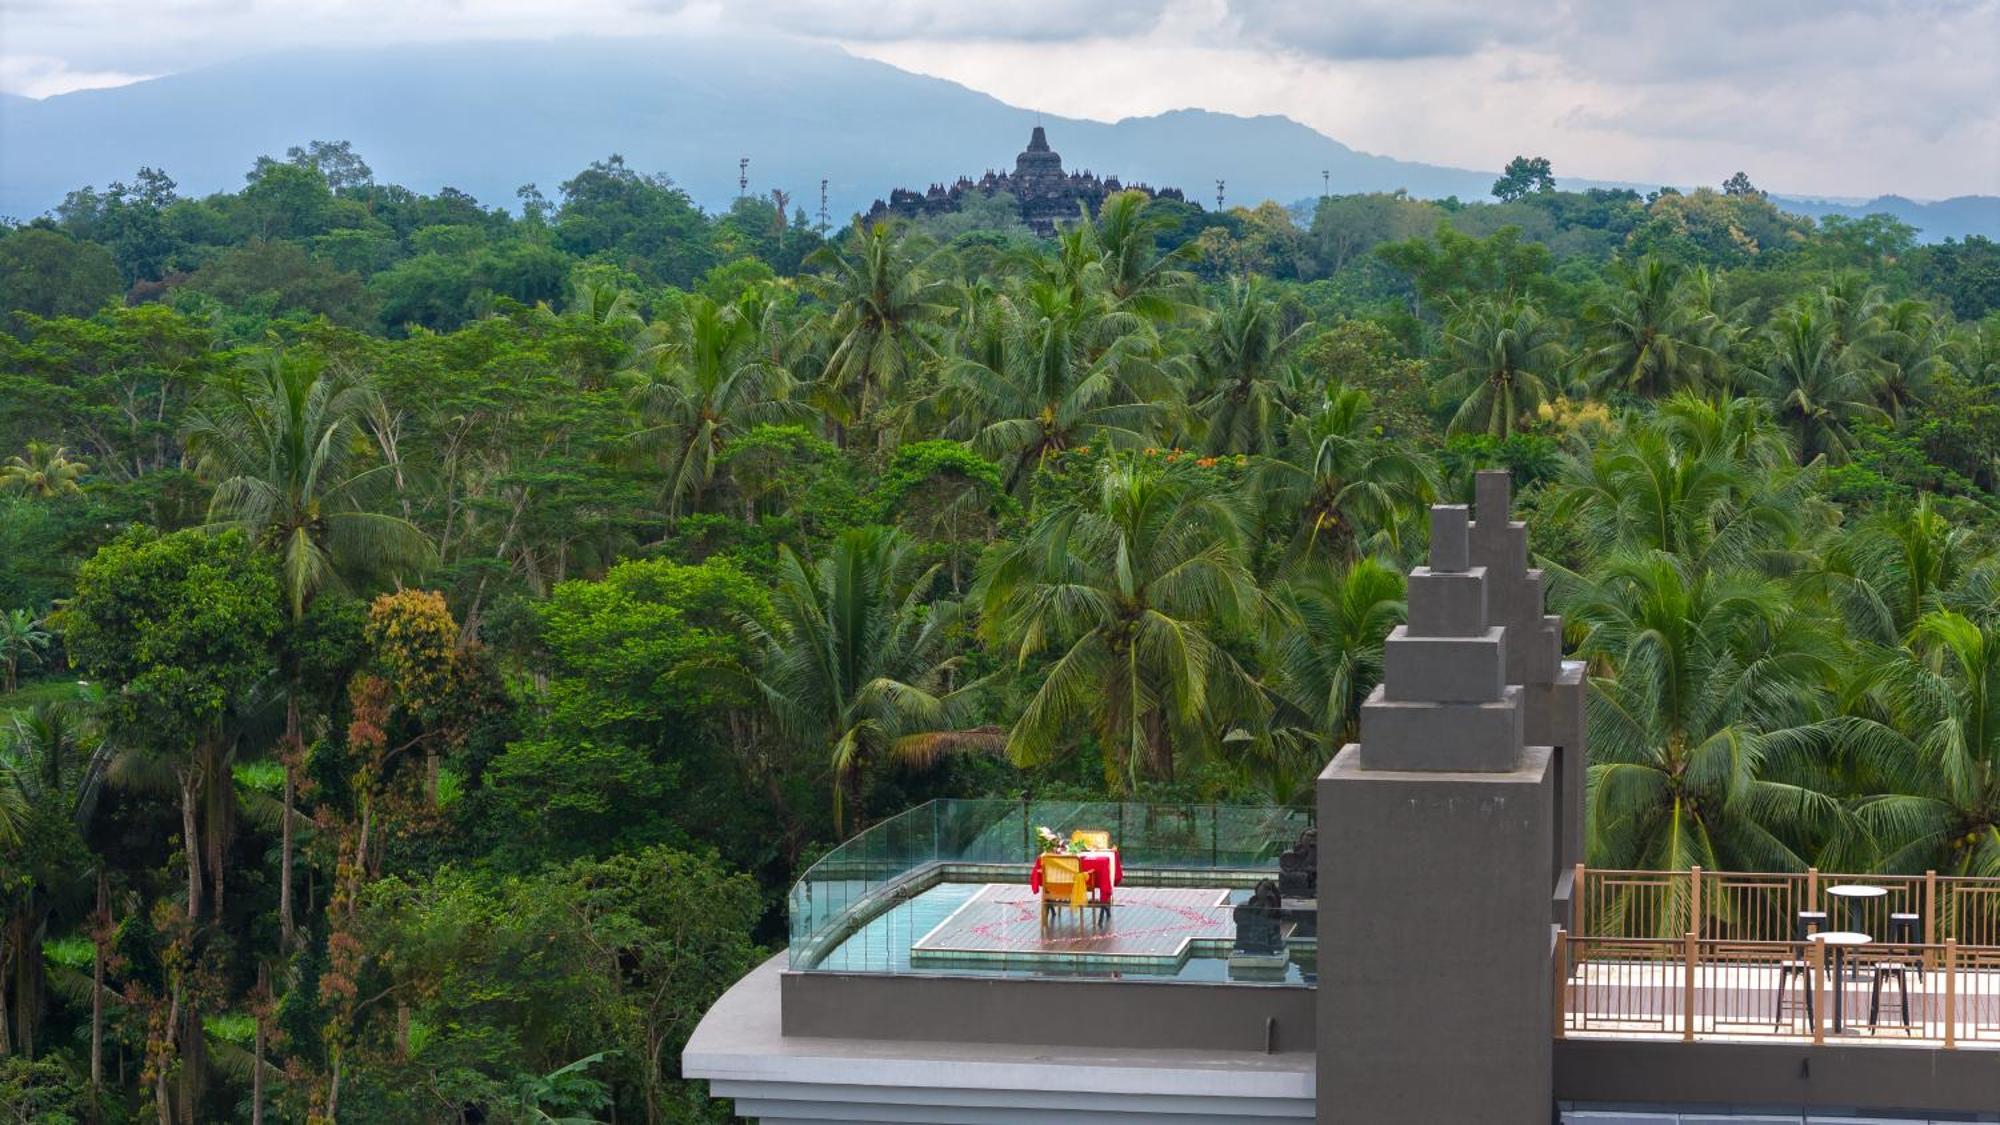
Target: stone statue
1298,867
1257,921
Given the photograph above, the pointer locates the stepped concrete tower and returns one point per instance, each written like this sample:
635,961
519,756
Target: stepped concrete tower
1440,836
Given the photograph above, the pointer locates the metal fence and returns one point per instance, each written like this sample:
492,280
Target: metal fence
1937,995
1765,906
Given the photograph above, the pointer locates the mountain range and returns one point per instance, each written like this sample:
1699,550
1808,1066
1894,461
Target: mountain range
486,117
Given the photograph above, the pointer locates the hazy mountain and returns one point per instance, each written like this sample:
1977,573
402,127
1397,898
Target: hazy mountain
487,117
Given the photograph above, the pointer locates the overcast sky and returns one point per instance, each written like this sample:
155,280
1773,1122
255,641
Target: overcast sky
1836,97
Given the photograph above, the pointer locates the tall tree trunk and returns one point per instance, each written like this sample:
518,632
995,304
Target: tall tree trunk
27,983
220,801
257,1048
291,757
101,926
162,1056
190,842
6,1010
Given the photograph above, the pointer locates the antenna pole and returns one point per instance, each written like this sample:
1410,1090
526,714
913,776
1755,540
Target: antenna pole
742,175
1218,195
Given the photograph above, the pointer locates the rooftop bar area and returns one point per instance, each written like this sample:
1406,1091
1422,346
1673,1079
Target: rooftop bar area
951,887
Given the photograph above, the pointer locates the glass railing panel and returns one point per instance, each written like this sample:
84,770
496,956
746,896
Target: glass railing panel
863,904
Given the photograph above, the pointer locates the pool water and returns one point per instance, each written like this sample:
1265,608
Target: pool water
883,944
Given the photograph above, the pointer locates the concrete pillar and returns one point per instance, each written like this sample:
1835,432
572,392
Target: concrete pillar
1436,856
1552,688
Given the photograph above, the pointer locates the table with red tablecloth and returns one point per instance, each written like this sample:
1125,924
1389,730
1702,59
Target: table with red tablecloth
1106,872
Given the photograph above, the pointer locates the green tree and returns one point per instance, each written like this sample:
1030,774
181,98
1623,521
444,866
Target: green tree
1651,338
1243,379
1926,746
23,640
45,274
645,725
1815,384
180,628
1503,360
884,306
1697,676
1062,370
1135,588
1522,175
42,471
280,443
702,387
860,663
1325,656
52,767
1339,487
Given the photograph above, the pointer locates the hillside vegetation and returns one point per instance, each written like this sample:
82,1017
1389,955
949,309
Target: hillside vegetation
435,637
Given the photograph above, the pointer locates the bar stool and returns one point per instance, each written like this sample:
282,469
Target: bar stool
1884,969
1808,922
1904,929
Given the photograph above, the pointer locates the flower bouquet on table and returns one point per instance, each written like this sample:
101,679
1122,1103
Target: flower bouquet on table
1052,844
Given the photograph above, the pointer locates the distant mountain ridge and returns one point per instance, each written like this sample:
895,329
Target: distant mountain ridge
487,117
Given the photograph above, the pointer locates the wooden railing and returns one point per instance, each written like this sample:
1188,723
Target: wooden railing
1711,988
1764,907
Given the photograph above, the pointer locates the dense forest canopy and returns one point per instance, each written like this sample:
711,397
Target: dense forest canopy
436,635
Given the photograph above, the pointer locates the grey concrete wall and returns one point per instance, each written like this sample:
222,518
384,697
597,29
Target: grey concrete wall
1553,715
1873,1076
1434,944
1129,1013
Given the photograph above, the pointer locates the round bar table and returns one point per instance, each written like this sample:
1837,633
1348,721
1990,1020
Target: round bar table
1838,941
1855,895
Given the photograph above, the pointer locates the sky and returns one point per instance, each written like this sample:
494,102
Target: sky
1827,97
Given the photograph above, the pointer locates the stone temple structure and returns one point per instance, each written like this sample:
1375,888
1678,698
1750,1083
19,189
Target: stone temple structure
1047,195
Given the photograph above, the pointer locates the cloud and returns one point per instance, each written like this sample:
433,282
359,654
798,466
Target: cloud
40,76
1012,20
1832,96
1378,29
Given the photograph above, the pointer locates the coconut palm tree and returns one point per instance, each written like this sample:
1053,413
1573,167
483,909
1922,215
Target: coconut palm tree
22,639
1243,382
1325,656
1908,349
1341,486
43,471
280,444
1047,372
1896,565
1816,383
1703,480
1695,673
1139,278
1928,747
1652,337
1502,361
884,306
704,385
1134,589
859,663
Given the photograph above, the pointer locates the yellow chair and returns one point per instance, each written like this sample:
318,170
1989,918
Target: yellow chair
1091,839
1064,884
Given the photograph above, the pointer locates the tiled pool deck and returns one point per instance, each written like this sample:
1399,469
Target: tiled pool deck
1155,933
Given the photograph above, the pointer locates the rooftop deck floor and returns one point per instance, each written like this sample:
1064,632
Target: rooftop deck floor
1156,933
1625,998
